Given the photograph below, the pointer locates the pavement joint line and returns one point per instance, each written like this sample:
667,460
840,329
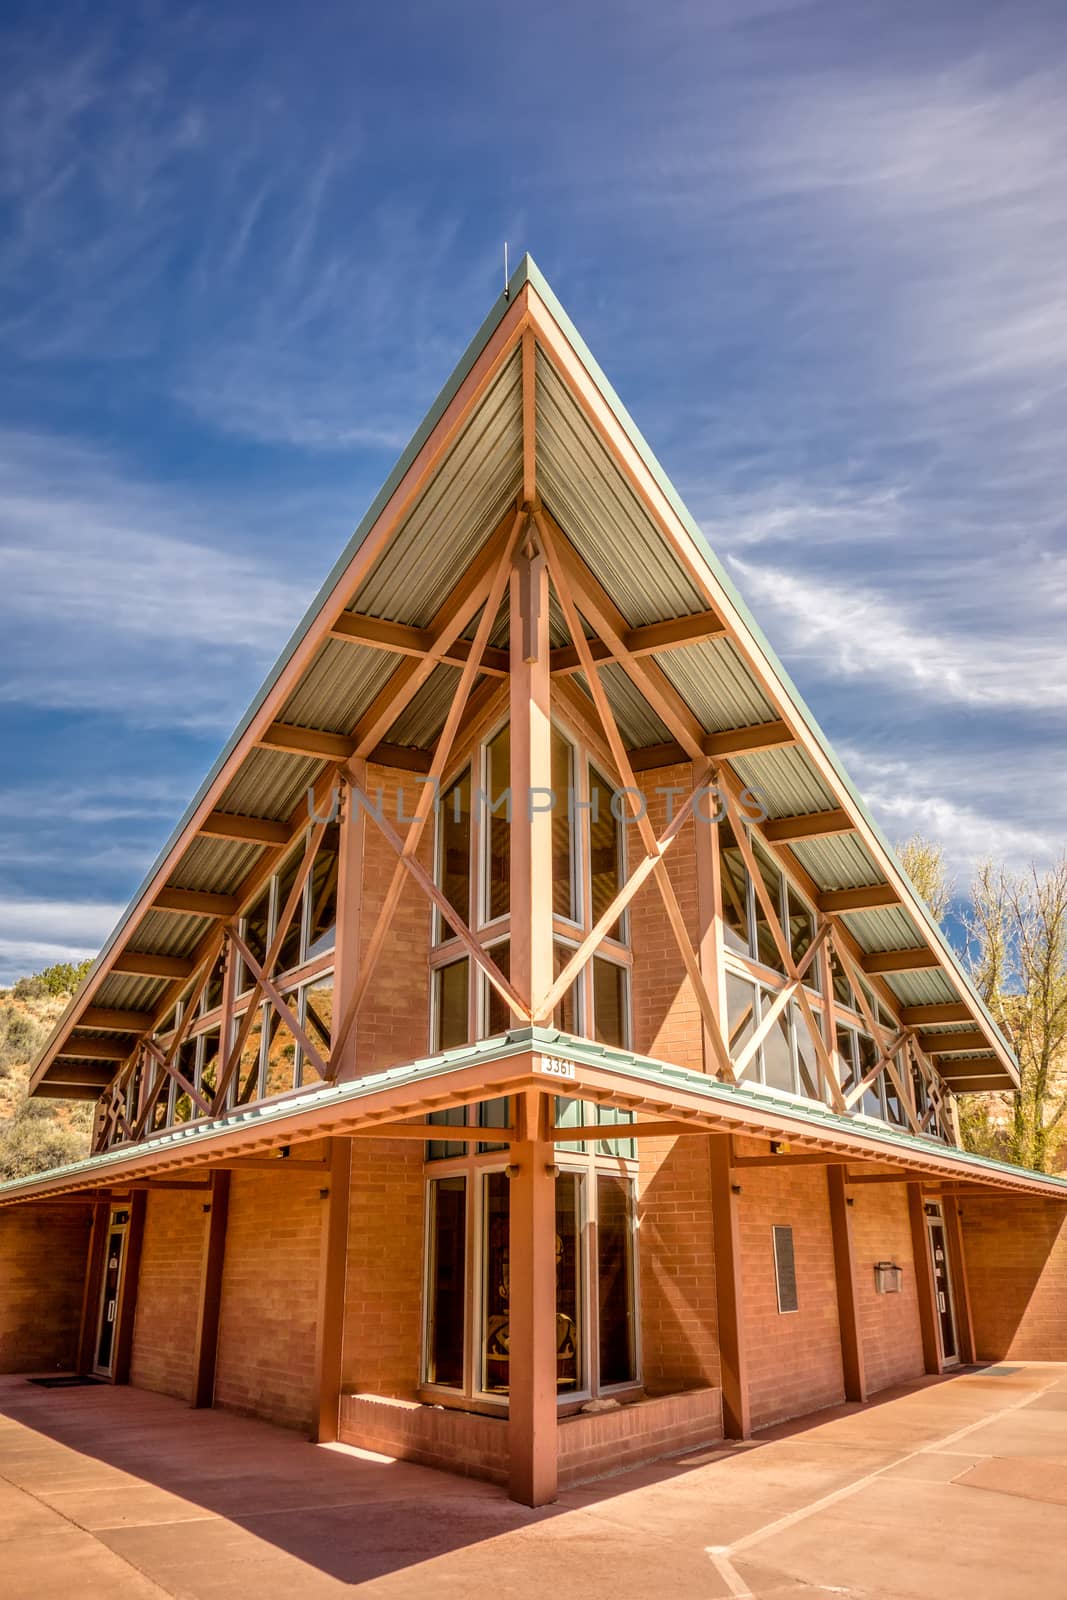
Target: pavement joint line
722,1556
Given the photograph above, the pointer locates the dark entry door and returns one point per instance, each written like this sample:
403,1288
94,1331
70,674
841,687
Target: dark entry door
946,1319
109,1299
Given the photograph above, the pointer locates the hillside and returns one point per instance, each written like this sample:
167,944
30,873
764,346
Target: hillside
35,1134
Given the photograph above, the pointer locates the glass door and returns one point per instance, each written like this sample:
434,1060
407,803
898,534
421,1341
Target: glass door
114,1261
946,1316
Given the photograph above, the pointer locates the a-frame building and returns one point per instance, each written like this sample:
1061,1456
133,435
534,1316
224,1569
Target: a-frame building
527,1056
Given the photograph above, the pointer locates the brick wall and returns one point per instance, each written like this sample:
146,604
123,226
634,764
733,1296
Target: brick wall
1016,1255
168,1293
394,1023
383,1292
43,1257
454,1441
266,1355
666,1016
794,1358
611,1441
889,1323
677,1263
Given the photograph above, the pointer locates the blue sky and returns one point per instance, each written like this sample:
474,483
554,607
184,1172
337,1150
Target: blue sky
817,248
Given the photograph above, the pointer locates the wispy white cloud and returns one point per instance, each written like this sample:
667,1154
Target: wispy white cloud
953,799
37,933
851,629
125,596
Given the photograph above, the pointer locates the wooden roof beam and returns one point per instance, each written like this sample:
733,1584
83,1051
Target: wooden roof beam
940,1044
114,1020
87,1047
296,741
195,903
744,741
870,898
378,634
143,964
48,1089
810,825
644,641
927,1016
246,830
911,960
81,1074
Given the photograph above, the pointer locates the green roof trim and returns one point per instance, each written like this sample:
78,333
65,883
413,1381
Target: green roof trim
642,1069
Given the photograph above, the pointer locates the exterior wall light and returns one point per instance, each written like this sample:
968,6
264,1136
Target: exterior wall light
888,1277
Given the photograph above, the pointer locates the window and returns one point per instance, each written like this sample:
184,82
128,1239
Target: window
454,851
473,864
451,987
468,1244
785,1269
446,1285
747,929
497,900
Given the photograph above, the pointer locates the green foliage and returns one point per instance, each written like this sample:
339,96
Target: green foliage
61,979
34,1139
21,1036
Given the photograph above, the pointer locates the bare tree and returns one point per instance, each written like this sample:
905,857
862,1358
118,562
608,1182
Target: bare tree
924,862
1017,954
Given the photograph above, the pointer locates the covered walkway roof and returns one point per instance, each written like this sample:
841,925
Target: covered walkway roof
670,1098
371,671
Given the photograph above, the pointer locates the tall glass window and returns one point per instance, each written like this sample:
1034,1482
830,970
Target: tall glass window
497,825
446,1296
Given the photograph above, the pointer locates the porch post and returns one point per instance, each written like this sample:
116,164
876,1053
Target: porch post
94,1274
709,901
924,1279
330,1320
131,1272
353,832
532,1431
852,1362
205,1351
531,777
961,1294
729,1300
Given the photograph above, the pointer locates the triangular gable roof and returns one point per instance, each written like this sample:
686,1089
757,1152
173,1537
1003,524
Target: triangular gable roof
434,516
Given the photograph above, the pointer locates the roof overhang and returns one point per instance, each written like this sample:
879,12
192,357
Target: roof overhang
543,1058
437,515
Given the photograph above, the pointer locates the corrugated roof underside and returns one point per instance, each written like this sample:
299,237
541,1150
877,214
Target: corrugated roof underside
927,987
423,717
888,928
216,866
609,527
166,934
269,783
339,686
713,680
127,992
839,861
786,782
466,498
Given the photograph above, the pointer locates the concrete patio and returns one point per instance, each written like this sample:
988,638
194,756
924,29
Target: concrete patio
953,1488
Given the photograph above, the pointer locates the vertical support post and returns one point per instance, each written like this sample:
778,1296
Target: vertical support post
205,1350
131,1273
961,1293
852,1363
729,1298
924,1280
230,964
350,868
531,777
709,914
532,1423
94,1277
330,1317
